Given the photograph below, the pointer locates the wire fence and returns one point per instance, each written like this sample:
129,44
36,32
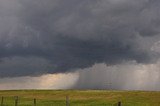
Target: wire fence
21,101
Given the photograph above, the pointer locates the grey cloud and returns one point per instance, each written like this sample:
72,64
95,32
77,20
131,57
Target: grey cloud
77,34
48,81
28,66
125,76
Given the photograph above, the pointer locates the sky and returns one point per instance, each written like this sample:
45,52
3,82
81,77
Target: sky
80,44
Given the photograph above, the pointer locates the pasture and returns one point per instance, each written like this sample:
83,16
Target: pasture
79,98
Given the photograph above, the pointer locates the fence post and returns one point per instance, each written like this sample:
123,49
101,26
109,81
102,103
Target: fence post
16,100
67,100
34,102
119,104
2,101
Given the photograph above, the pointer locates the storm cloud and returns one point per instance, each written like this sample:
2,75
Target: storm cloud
55,36
125,76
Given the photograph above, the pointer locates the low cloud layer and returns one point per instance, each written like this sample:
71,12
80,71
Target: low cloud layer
125,76
48,81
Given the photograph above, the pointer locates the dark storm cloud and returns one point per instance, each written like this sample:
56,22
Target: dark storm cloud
75,33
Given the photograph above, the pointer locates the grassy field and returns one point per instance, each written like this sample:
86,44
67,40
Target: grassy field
81,97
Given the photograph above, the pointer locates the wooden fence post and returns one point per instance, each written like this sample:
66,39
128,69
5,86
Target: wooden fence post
2,101
119,104
67,100
16,100
34,102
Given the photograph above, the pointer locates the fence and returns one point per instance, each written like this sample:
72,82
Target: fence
16,102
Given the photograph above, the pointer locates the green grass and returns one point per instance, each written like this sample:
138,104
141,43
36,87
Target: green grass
81,97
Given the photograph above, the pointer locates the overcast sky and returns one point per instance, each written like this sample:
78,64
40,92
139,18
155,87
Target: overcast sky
89,40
